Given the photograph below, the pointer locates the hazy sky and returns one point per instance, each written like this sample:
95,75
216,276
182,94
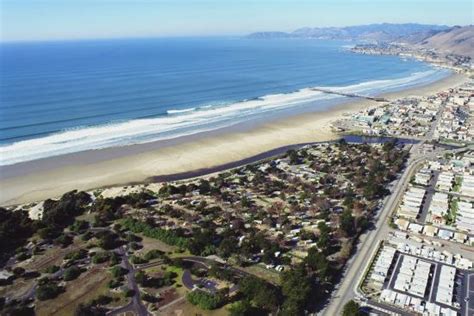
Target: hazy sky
71,19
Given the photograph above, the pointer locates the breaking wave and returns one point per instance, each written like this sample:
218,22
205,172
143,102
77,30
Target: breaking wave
182,122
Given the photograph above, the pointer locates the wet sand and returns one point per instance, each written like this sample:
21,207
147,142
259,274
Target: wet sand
46,178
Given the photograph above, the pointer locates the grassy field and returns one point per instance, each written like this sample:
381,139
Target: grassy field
271,276
18,289
50,257
184,308
150,243
87,287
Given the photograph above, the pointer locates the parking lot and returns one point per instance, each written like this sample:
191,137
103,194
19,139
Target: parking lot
420,285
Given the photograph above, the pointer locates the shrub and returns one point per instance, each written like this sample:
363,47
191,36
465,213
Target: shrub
205,300
76,255
47,290
51,269
351,309
118,271
71,273
100,257
168,236
128,292
153,254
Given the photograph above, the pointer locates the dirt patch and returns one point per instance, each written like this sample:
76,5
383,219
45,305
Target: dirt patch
88,286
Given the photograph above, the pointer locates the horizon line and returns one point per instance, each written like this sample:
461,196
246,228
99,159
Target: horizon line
157,36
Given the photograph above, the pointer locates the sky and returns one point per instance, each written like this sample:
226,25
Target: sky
22,20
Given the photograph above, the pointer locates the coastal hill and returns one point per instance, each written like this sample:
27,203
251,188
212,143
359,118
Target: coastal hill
371,32
458,40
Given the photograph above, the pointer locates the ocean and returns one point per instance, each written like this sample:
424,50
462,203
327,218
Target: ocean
71,96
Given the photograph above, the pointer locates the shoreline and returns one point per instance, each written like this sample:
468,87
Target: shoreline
51,177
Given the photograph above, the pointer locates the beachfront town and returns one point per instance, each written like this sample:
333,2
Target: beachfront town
445,118
456,62
422,262
425,266
381,225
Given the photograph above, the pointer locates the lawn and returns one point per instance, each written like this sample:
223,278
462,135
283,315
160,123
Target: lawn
260,271
150,244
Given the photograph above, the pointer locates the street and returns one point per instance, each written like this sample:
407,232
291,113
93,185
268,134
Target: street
348,288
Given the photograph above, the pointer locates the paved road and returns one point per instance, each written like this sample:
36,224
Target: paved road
430,191
136,305
347,289
369,243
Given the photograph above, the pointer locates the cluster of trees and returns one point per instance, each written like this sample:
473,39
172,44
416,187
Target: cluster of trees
118,271
154,254
47,289
101,257
16,307
297,287
378,168
317,262
108,240
352,308
15,228
109,209
204,187
168,236
71,273
76,255
220,272
58,214
202,242
258,243
145,280
89,310
205,300
94,307
260,297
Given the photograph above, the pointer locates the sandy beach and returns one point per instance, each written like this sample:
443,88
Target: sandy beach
47,178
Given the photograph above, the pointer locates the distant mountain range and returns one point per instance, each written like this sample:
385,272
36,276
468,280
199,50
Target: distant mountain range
457,39
371,32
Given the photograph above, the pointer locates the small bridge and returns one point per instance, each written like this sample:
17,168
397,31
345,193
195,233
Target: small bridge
350,95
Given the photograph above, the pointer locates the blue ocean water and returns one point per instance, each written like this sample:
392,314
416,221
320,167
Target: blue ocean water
63,97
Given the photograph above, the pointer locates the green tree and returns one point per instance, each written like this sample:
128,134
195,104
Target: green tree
260,293
318,262
241,308
47,290
347,222
205,300
71,273
101,257
141,277
351,309
89,310
118,271
296,288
